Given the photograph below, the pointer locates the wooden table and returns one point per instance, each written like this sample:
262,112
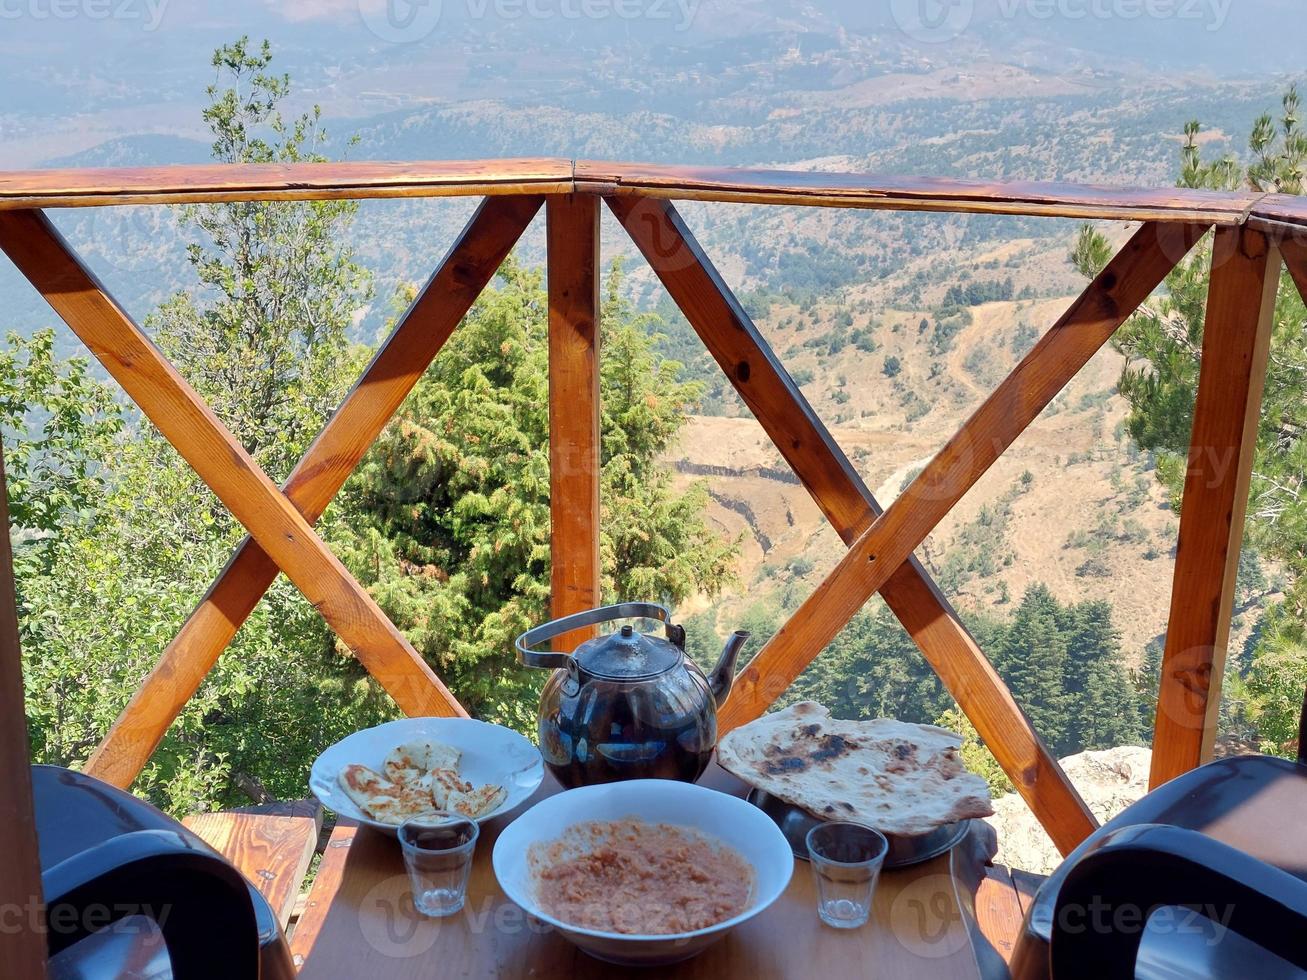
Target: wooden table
921,928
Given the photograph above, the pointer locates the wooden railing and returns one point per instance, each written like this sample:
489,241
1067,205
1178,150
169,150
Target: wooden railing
1253,232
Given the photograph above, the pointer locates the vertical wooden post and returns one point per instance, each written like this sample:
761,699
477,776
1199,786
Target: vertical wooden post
573,238
22,946
1236,344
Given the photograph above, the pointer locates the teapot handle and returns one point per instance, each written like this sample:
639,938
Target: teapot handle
591,617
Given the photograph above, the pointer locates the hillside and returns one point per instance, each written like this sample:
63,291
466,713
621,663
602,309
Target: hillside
1071,505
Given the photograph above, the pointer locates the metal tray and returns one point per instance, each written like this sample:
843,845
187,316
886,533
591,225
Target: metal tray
795,822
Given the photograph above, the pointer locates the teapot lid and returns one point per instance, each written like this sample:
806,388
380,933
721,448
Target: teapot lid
626,655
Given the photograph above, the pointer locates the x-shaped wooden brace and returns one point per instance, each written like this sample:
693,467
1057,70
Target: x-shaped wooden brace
881,543
279,522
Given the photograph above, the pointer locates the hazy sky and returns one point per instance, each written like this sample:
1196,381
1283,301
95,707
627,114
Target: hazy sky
76,72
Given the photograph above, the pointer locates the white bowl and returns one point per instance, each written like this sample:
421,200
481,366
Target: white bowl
728,819
491,754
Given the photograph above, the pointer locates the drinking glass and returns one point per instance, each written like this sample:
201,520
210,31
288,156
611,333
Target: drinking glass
438,852
846,859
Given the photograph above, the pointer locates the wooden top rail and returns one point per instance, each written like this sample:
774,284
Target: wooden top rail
852,190
1281,215
218,182
208,183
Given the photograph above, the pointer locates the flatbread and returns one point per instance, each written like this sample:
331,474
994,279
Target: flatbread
414,759
895,776
474,802
385,800
446,784
420,778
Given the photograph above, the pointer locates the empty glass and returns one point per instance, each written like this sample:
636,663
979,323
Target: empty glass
846,859
438,852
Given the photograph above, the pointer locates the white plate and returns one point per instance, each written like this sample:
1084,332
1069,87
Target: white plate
726,818
491,754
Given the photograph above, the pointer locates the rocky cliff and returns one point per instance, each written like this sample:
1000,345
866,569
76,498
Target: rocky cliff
1109,781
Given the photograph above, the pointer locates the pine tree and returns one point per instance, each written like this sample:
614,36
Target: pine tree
449,524
1107,711
1032,657
873,669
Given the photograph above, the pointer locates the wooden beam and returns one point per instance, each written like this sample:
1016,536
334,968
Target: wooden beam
183,418
1236,343
218,182
401,360
22,949
208,183
331,873
574,458
1294,252
882,192
1279,216
1126,282
805,443
272,850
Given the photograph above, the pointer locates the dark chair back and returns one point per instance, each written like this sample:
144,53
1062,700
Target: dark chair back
107,856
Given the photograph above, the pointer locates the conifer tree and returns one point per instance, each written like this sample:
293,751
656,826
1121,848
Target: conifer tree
1032,657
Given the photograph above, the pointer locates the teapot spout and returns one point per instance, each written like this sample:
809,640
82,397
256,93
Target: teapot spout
723,675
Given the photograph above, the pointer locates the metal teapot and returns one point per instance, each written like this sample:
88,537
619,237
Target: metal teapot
627,705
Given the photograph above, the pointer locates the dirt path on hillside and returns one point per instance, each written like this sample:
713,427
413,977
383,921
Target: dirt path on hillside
888,491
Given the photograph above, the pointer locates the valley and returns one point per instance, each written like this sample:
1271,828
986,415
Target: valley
1071,505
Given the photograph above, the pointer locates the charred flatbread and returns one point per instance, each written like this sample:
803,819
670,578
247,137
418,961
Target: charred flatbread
895,776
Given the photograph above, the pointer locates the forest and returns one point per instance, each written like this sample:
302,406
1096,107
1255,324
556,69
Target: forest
447,520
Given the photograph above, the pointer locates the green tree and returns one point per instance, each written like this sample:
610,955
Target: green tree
449,520
1065,668
57,424
1106,710
263,338
1163,348
975,754
873,669
1032,656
